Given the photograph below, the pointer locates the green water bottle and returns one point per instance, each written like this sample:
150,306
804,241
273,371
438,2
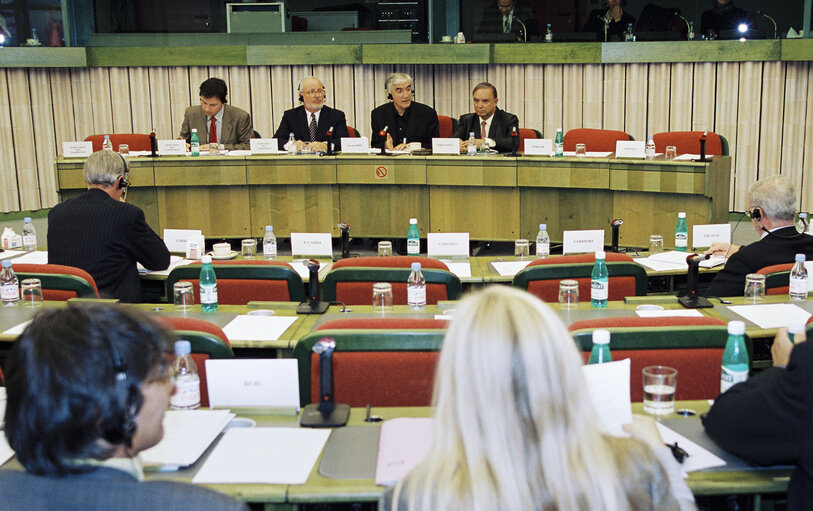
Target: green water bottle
601,347
194,143
559,144
735,357
681,233
599,283
413,238
208,285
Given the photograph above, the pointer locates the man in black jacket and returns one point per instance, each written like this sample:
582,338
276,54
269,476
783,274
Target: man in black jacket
491,126
98,232
402,120
311,121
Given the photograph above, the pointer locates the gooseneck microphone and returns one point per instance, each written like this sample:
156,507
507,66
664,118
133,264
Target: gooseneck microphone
762,13
345,229
691,300
514,142
153,145
383,135
329,136
616,226
312,305
326,413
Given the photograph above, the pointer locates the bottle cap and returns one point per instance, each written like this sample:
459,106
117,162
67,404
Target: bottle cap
108,136
6,263
207,259
543,227
194,130
413,221
183,348
600,254
269,228
736,327
601,337
415,266
795,328
802,215
800,258
682,214
27,219
471,134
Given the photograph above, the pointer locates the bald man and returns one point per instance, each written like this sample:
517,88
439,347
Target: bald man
310,121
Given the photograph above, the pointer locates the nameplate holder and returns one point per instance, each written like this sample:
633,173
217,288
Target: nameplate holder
175,239
311,244
77,149
264,145
706,234
538,146
195,247
579,242
251,383
169,147
446,146
448,244
354,145
630,149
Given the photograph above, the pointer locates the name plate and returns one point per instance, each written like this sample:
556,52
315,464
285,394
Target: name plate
77,149
630,149
446,146
538,146
355,145
311,244
447,244
253,383
576,242
175,239
166,147
705,235
264,145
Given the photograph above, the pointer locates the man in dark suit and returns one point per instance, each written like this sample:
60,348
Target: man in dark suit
724,17
232,126
772,208
508,17
491,126
311,121
405,120
87,390
98,232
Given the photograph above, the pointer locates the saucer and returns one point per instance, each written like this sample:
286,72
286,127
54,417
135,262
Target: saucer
232,255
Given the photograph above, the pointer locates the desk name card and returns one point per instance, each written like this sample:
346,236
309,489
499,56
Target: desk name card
311,244
630,149
446,146
538,146
264,145
166,147
176,239
448,244
253,383
705,235
576,242
77,149
353,145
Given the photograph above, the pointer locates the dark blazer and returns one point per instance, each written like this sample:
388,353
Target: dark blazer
767,420
491,22
103,489
777,247
499,131
294,121
718,19
234,134
615,32
422,125
106,238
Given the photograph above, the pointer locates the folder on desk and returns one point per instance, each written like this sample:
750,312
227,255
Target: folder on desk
187,435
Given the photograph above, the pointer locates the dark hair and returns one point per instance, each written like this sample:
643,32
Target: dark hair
485,85
214,87
63,396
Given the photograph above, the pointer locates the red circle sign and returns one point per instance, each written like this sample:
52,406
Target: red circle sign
381,171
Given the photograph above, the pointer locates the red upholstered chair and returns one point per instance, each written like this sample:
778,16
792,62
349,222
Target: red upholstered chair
351,280
135,141
777,278
594,139
242,281
352,131
446,126
541,277
527,133
208,341
689,142
693,346
59,282
382,324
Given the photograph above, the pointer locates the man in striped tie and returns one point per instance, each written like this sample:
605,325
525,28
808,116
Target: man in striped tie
215,120
311,122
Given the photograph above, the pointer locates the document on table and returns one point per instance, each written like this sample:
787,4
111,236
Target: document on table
773,315
667,313
461,269
301,267
35,257
187,435
404,442
10,253
509,268
698,459
263,456
17,329
609,387
589,154
258,328
687,157
174,262
674,260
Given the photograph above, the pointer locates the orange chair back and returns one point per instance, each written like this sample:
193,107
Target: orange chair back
523,134
772,289
688,142
135,141
59,295
548,290
361,293
594,139
352,132
241,291
382,324
445,126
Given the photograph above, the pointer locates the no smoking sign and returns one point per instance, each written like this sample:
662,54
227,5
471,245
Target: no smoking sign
381,172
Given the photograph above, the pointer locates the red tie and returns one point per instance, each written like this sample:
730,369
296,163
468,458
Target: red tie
483,130
213,131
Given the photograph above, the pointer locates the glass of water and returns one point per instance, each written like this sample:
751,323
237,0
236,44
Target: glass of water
659,389
249,248
31,292
124,149
655,244
754,287
522,249
382,296
568,294
581,150
671,152
183,296
384,248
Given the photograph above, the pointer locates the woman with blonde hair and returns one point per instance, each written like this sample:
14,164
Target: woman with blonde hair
515,428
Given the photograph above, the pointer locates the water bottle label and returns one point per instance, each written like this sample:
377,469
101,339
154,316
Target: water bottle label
559,147
681,239
413,246
9,292
599,290
416,295
542,249
208,294
798,286
187,393
729,378
29,239
270,250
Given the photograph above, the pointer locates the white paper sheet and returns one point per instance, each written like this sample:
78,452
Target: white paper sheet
509,268
17,329
590,154
245,382
687,157
238,152
174,262
609,387
403,443
774,315
698,459
263,456
36,257
187,435
655,265
684,313
258,328
9,253
462,270
5,450
301,267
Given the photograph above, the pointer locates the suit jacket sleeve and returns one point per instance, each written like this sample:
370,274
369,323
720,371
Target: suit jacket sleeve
150,249
462,130
243,130
339,129
285,128
186,130
502,131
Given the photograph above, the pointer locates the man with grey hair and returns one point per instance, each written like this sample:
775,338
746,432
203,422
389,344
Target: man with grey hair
491,126
100,233
772,209
310,122
405,120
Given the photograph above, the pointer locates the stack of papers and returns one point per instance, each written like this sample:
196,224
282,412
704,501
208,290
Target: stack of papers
36,257
187,435
258,328
675,261
174,262
774,315
9,253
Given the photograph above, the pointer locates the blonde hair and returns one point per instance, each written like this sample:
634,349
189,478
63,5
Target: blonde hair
515,428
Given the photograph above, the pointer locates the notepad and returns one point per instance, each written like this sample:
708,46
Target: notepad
774,315
10,253
187,435
36,257
684,313
404,442
258,328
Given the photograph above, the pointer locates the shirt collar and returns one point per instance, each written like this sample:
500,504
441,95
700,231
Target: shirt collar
130,466
308,116
218,115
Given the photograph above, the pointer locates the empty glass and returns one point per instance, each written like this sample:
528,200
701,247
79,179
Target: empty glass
214,149
671,152
660,383
568,294
655,244
382,296
581,150
754,287
522,249
249,248
384,248
31,292
124,149
183,296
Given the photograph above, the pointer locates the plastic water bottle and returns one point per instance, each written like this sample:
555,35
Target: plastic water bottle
548,35
681,233
599,283
559,144
542,242
801,223
269,243
735,357
208,285
601,347
29,235
291,144
187,381
416,289
628,35
9,285
798,279
690,35
649,150
413,238
194,143
107,145
471,150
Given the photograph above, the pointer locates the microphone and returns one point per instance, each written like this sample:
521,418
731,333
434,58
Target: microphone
762,13
606,21
326,413
345,228
153,145
312,305
703,146
514,142
524,29
691,300
689,31
616,225
383,135
329,135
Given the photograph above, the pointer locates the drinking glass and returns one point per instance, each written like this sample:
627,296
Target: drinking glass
581,150
183,296
382,296
671,152
659,389
522,249
384,248
214,149
568,294
655,244
754,287
124,149
31,292
249,248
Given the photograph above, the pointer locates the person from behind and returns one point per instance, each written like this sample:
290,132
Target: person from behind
87,388
722,19
612,18
310,121
406,120
491,126
515,427
101,234
772,209
215,120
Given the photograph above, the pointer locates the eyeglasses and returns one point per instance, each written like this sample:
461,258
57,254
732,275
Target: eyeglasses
314,92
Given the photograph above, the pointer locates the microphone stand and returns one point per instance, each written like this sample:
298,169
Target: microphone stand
689,34
524,29
383,135
514,143
760,13
326,413
703,147
345,228
616,226
606,23
329,135
312,305
691,300
153,145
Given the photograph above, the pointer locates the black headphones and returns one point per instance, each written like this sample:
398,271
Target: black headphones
389,95
756,214
123,182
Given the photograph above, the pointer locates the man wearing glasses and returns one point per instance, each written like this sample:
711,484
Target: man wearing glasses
311,121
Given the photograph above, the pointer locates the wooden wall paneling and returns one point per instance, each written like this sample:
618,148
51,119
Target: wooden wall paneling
726,106
42,117
197,75
125,98
794,119
704,98
770,125
533,111
680,98
281,93
658,99
748,123
22,130
62,104
513,92
160,104
82,102
261,108
552,102
182,94
615,92
240,87
141,97
635,112
101,101
573,89
9,199
593,96
342,88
